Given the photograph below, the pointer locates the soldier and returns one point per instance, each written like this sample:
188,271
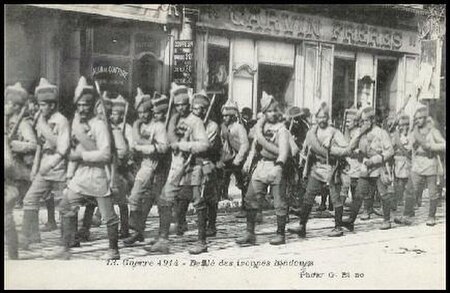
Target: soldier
375,149
235,147
246,119
325,146
151,142
402,158
50,164
187,137
209,192
272,143
350,174
121,185
426,142
15,96
24,142
87,171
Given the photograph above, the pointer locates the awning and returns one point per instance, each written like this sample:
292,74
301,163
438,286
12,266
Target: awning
156,13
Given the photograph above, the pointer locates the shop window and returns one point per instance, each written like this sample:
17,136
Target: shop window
147,74
275,80
343,88
112,74
111,41
218,71
386,88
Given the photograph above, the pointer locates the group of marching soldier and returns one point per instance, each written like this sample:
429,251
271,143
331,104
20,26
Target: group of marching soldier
175,154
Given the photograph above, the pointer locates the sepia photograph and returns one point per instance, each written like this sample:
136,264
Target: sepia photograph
224,146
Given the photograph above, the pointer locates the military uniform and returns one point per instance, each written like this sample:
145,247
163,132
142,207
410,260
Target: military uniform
376,149
188,138
272,143
152,143
326,146
426,142
402,158
88,172
235,146
13,169
23,144
54,134
351,172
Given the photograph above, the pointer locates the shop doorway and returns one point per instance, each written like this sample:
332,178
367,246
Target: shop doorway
147,73
386,88
218,63
343,88
277,81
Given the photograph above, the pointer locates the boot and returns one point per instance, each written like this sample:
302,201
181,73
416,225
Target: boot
280,237
69,230
124,229
323,204
113,236
200,246
211,230
431,221
97,219
51,221
304,214
11,236
368,209
259,217
181,227
387,206
242,212
74,240
162,245
350,222
330,204
249,237
29,222
337,231
419,199
83,234
135,217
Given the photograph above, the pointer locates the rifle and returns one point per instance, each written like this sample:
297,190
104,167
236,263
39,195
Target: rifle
125,119
169,110
38,153
16,126
112,168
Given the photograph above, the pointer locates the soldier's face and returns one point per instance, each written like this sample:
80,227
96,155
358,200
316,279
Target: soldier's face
46,108
85,107
10,108
144,114
367,122
116,117
420,119
182,109
404,128
33,108
245,116
322,119
273,113
351,123
199,111
158,115
227,119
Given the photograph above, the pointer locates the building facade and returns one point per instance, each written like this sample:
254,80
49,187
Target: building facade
302,54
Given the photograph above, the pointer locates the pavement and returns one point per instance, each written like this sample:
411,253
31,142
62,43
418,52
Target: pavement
404,255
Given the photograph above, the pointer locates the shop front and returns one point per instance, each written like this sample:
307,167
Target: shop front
120,47
304,60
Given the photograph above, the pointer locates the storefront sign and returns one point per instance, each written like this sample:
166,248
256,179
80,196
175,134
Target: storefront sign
183,57
309,27
112,74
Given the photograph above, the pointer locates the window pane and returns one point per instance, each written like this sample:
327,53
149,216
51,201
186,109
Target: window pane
147,43
111,41
112,74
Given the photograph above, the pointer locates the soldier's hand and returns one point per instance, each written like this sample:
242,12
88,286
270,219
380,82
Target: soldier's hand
368,163
175,146
236,163
220,165
75,156
44,168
